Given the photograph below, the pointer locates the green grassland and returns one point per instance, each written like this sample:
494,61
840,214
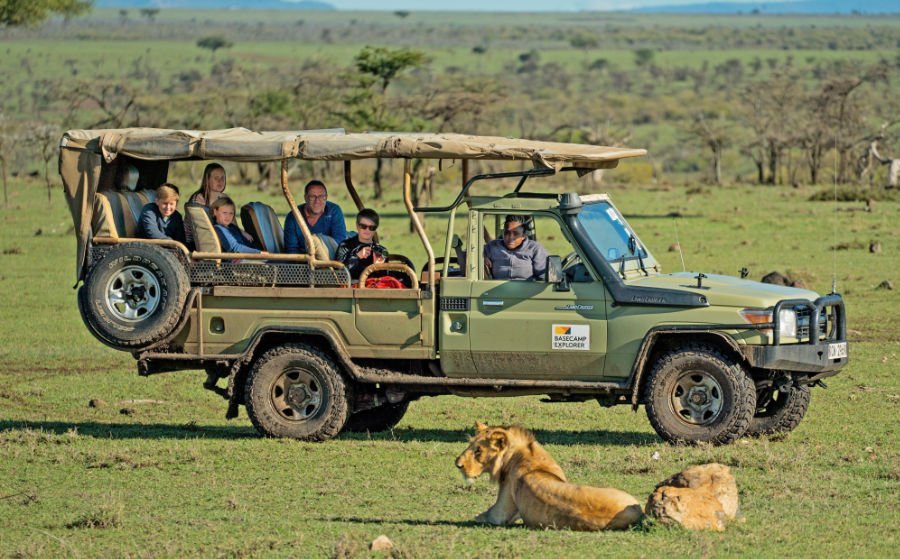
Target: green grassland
172,478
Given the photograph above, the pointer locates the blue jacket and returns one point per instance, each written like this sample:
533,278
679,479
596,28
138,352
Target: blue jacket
233,240
154,226
331,223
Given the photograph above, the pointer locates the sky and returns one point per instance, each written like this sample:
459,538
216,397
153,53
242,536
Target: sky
509,5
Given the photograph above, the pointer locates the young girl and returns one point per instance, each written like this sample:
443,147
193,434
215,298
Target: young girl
212,185
230,235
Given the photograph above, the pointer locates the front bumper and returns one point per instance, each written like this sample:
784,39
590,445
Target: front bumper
810,356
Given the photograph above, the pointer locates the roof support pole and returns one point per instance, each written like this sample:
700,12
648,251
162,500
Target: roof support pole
348,180
410,209
295,211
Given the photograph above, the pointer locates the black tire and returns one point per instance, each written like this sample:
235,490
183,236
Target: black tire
378,419
296,391
134,296
779,411
698,394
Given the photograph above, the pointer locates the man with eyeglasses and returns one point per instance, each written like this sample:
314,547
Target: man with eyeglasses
322,217
361,251
515,256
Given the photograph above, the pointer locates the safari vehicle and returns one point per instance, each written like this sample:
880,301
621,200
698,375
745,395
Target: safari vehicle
310,353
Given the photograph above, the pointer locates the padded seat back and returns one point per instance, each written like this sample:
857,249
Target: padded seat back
263,225
118,214
205,237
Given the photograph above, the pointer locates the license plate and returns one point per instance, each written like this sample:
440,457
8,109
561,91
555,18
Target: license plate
837,351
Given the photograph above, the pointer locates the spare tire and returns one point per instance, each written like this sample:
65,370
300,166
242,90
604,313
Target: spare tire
134,296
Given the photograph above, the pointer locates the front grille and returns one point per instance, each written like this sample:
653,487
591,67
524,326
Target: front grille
803,316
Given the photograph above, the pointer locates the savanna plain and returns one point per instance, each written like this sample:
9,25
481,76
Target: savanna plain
153,469
157,471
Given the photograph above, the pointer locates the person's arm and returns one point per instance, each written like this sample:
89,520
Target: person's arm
291,235
175,228
342,252
149,226
230,243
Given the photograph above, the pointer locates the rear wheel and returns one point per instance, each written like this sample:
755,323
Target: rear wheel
378,419
698,394
296,391
779,411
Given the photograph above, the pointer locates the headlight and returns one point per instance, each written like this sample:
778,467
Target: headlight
787,323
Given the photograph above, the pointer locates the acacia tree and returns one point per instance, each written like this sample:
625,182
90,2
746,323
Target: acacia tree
45,139
214,43
714,131
15,13
367,102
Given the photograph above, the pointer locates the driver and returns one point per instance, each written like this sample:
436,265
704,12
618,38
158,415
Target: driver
360,251
515,256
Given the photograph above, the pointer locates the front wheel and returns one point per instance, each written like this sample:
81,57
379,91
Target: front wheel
698,394
296,391
779,411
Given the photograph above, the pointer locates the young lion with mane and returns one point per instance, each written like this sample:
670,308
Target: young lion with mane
534,488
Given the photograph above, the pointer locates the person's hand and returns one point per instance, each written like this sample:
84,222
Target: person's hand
364,253
247,236
378,259
488,263
264,252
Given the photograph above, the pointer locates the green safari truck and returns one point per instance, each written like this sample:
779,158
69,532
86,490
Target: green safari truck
310,351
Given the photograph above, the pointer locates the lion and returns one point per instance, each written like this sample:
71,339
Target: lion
534,488
699,498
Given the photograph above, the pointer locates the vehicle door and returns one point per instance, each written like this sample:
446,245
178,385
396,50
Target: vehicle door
529,328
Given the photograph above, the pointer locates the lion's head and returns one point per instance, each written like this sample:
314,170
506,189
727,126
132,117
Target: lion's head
492,448
485,452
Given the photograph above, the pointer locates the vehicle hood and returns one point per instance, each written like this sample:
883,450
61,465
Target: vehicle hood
725,291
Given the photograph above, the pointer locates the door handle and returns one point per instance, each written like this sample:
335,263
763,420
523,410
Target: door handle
492,303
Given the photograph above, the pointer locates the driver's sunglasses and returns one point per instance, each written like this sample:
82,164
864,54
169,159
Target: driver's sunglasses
515,232
367,227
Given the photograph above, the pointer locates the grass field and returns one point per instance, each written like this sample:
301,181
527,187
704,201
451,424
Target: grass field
171,477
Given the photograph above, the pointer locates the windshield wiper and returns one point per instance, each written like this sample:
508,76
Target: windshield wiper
638,251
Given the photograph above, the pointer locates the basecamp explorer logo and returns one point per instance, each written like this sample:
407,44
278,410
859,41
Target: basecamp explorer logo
571,336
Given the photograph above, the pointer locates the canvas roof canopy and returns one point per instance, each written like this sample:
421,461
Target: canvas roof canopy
82,153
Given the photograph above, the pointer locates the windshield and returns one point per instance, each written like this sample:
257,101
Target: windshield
609,233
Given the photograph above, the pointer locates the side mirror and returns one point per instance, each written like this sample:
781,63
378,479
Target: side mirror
555,274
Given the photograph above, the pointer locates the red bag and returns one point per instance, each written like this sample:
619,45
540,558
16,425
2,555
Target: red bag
384,282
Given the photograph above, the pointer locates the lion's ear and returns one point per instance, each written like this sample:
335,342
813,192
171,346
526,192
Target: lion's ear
498,440
479,427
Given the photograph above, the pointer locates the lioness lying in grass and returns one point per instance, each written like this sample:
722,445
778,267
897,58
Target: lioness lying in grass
534,488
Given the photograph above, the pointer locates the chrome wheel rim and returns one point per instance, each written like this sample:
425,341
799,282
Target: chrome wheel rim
133,294
697,398
297,395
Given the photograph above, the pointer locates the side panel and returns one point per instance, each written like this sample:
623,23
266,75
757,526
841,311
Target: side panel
367,323
525,329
